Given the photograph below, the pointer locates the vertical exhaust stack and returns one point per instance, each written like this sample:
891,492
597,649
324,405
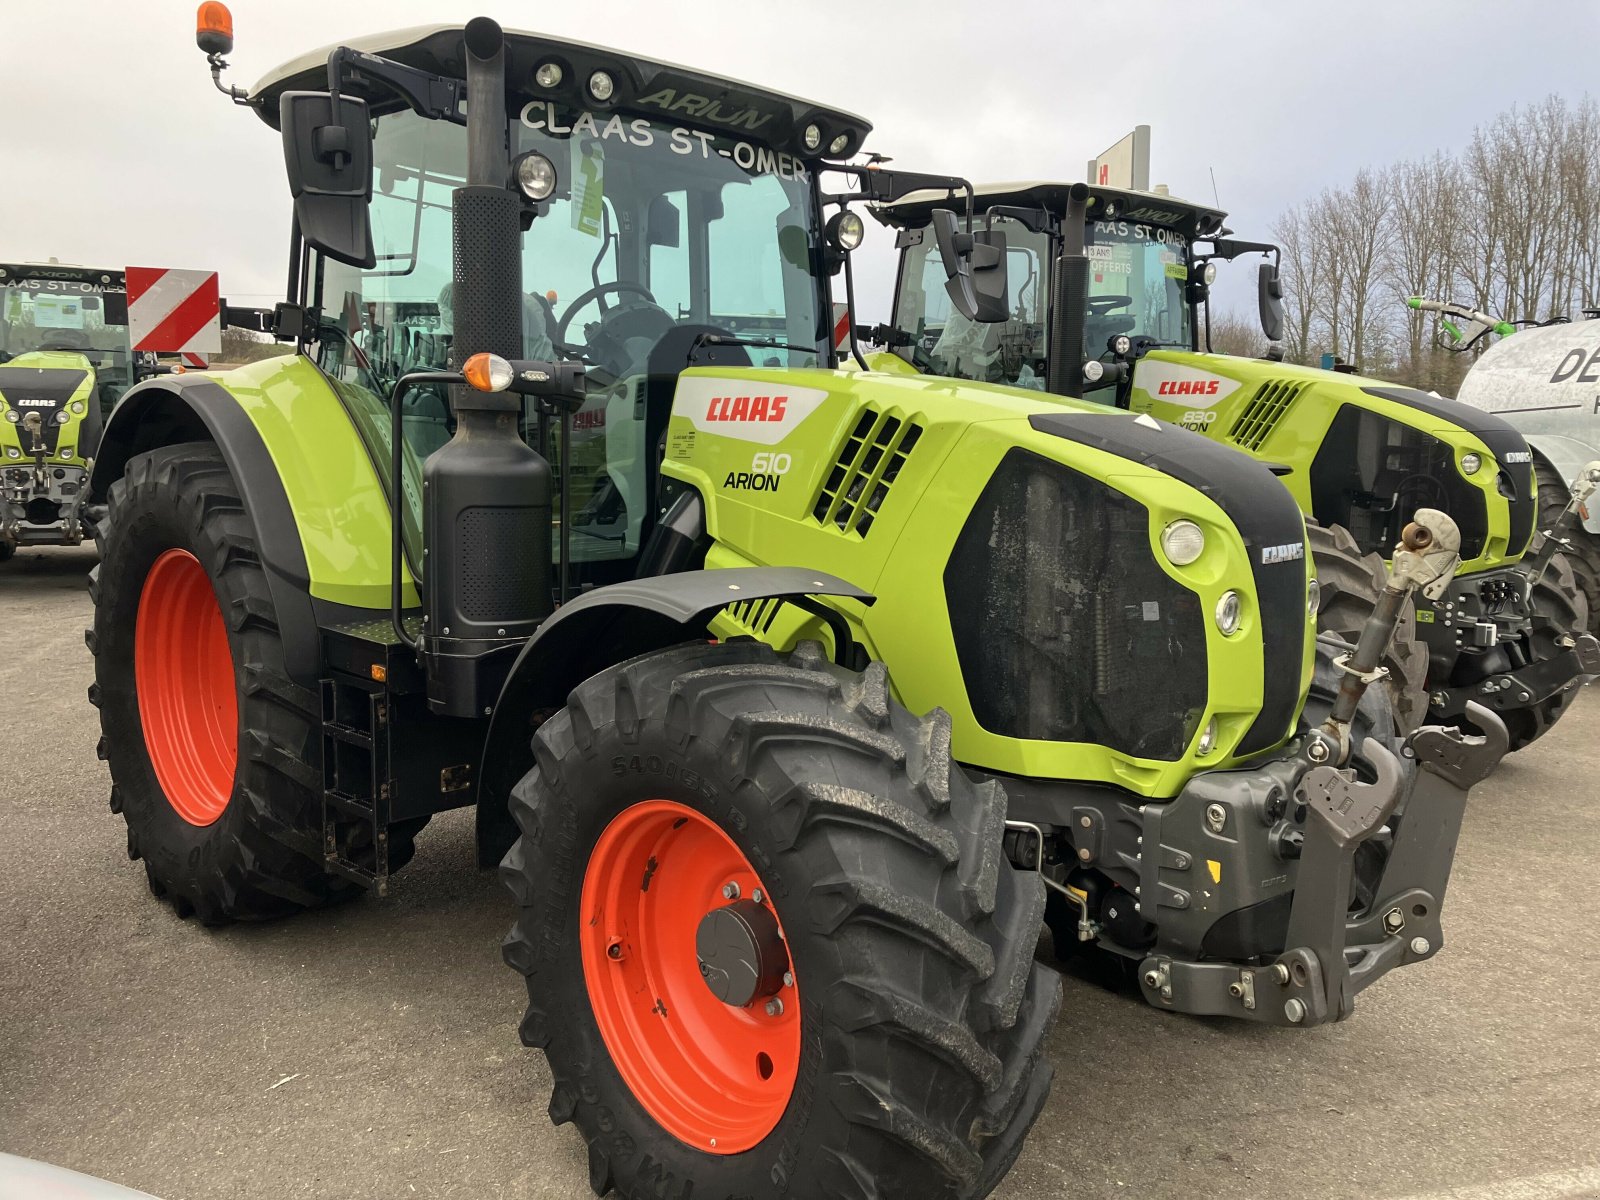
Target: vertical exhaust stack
1069,301
485,495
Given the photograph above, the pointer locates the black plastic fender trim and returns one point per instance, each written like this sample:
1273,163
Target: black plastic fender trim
175,408
598,630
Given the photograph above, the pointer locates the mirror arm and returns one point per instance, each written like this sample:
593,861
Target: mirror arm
850,313
426,94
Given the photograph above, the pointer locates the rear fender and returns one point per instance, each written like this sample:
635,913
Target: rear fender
598,630
320,510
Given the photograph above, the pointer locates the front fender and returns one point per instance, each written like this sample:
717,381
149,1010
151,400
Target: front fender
598,630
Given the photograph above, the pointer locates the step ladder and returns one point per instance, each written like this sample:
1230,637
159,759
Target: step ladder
356,789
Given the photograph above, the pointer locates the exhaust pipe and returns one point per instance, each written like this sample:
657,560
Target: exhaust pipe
486,494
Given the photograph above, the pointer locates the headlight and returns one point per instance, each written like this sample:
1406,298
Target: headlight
836,147
13,452
845,230
812,137
1313,597
601,86
1121,345
1208,273
536,176
1208,737
1228,610
63,417
77,407
65,452
548,75
13,415
1470,462
1182,542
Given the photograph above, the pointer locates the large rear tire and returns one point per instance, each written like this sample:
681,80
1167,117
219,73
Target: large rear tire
1348,586
214,752
903,1054
1583,556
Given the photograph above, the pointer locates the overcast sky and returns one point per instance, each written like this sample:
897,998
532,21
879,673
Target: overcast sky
117,150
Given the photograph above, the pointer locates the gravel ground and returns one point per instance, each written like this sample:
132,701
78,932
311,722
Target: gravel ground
371,1050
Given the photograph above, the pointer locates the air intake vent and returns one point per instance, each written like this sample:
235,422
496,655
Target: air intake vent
868,464
1263,413
756,616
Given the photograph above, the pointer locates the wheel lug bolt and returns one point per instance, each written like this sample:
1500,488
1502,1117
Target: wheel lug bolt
774,1007
757,896
730,891
788,979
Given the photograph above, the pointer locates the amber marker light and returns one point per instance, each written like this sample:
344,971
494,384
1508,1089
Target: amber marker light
487,372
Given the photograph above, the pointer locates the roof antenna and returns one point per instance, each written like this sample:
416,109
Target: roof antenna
1214,198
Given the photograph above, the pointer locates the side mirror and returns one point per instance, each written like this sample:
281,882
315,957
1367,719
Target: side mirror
1269,296
974,268
663,224
329,161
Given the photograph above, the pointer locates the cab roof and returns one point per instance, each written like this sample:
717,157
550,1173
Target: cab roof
1157,208
644,86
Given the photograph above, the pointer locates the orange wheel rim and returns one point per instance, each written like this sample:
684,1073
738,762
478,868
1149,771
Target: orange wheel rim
183,676
716,1075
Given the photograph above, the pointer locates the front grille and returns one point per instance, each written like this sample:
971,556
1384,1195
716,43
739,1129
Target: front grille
867,465
1261,416
1066,627
1372,474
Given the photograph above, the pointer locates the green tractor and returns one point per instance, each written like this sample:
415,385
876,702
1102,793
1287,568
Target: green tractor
64,361
1109,299
785,694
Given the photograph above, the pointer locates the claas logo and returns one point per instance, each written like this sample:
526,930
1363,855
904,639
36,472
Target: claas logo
746,408
1188,387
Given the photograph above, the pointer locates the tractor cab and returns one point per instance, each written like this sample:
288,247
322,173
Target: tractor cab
1138,250
667,220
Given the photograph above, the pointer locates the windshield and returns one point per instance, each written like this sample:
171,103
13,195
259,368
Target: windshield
69,315
655,238
1137,277
943,342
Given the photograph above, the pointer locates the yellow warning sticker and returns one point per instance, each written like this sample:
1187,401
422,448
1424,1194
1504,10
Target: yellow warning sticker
1216,870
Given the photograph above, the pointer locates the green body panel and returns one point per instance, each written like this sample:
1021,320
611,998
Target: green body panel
338,496
966,429
14,442
1298,433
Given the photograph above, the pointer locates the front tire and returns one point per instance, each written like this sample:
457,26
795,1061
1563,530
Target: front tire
215,754
1560,608
903,1055
1348,585
1583,556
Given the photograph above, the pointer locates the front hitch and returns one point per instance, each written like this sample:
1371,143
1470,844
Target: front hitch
1329,953
1425,560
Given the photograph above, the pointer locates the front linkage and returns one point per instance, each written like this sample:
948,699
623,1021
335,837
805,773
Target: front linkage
41,504
1500,610
1243,885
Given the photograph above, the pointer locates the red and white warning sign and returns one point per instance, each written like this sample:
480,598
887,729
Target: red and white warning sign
175,312
841,326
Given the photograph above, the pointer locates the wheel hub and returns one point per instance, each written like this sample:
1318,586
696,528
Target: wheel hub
741,952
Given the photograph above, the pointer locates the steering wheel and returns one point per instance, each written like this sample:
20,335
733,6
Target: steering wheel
65,339
1100,306
594,293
